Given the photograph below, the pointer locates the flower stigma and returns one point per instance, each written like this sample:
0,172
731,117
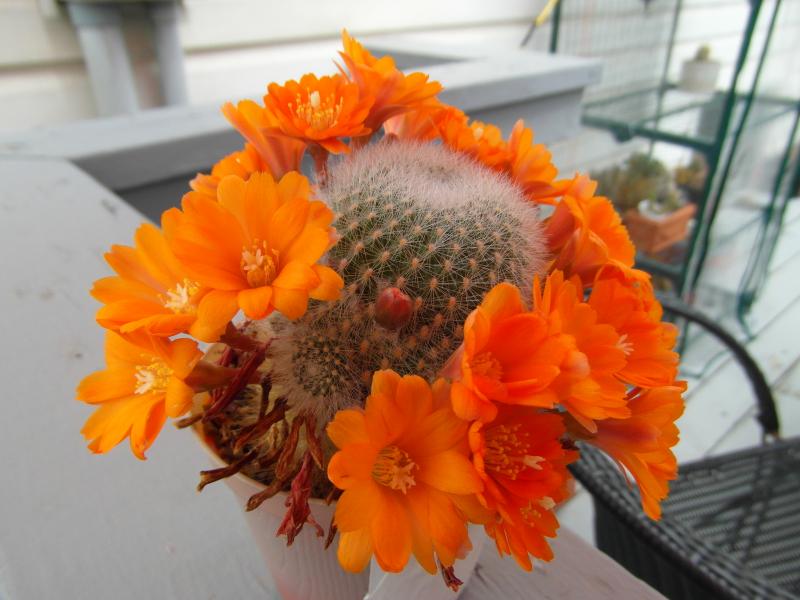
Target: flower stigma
393,468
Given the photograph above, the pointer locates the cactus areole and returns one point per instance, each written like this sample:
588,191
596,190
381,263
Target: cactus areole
424,234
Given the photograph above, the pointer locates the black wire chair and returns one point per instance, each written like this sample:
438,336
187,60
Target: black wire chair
731,525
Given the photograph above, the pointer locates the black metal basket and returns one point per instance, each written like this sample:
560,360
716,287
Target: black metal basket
731,524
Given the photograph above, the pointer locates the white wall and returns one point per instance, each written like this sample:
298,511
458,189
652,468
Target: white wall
232,47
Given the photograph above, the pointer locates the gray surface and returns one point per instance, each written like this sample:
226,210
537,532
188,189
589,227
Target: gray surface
158,144
75,525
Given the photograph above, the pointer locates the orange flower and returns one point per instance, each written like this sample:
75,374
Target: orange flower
151,291
587,385
404,467
627,303
319,111
242,163
523,465
393,92
586,233
274,152
479,140
643,442
143,383
255,248
527,164
530,164
423,124
508,356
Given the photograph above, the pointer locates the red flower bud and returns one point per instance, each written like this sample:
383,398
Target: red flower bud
393,308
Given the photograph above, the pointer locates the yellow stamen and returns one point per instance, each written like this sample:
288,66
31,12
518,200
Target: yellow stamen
179,298
260,264
530,513
320,113
153,377
533,462
487,365
393,468
508,451
624,344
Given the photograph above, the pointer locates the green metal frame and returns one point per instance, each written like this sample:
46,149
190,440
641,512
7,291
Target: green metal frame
556,26
771,222
719,150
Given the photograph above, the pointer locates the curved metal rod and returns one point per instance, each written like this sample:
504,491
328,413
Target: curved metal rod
767,411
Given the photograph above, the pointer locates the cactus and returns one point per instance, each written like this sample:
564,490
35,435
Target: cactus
438,231
703,53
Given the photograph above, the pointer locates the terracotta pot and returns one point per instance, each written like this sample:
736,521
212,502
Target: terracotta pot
652,235
306,571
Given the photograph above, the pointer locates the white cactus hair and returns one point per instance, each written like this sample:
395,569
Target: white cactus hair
423,218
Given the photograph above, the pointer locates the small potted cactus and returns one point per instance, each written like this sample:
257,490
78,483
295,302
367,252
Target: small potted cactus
700,74
404,351
691,178
652,207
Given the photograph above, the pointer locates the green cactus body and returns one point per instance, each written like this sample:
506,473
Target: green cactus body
432,223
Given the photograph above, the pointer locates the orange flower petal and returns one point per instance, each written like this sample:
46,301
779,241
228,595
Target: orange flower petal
146,428
330,284
182,355
112,422
447,527
351,464
116,289
502,302
110,384
391,534
255,302
348,427
290,303
357,506
178,398
214,312
355,550
468,406
437,432
297,275
421,542
450,472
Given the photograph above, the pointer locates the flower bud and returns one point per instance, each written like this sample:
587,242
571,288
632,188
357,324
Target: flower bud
393,309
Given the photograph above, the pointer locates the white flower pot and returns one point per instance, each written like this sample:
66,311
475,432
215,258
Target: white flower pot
414,582
306,571
699,76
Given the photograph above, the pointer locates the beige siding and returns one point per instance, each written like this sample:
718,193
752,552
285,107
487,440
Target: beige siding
232,47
